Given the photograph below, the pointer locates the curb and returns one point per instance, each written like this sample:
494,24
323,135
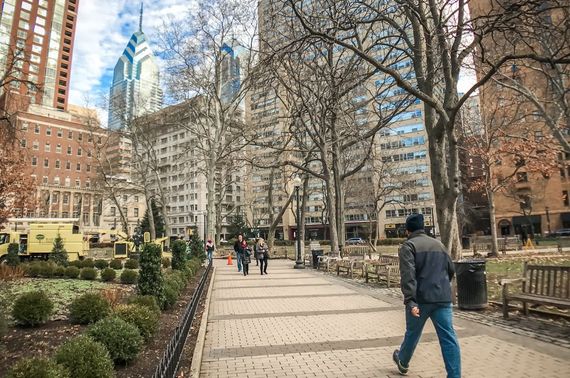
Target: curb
200,341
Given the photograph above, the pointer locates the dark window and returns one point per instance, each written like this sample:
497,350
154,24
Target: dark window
565,198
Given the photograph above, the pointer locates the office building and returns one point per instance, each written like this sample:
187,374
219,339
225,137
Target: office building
36,38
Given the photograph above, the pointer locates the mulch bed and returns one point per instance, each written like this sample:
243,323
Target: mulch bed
44,340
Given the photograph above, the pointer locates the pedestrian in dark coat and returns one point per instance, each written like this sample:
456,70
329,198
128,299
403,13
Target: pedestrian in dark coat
426,271
262,255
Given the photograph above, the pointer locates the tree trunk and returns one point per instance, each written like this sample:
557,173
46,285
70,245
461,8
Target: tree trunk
493,221
301,230
331,203
150,218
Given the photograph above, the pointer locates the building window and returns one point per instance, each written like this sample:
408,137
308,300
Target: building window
56,180
36,145
67,182
87,184
46,163
48,131
125,198
37,129
80,136
79,151
78,167
57,164
70,134
34,161
65,198
68,165
58,148
69,150
565,198
23,143
77,183
136,198
136,212
125,212
113,211
45,180
88,168
48,147
59,133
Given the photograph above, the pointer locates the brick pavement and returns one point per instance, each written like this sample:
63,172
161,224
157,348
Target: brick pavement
302,324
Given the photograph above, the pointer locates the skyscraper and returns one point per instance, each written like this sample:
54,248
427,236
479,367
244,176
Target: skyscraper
231,79
36,44
136,82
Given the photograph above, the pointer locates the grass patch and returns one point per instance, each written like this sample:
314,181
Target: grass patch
61,291
513,268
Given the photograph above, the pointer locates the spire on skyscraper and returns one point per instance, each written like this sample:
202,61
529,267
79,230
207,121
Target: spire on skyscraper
141,18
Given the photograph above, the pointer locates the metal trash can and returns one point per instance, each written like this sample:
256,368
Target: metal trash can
471,284
316,253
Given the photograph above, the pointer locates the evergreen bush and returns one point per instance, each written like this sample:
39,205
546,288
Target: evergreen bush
122,340
179,256
85,358
59,271
37,367
150,280
116,264
108,275
4,324
88,263
58,253
145,300
76,263
131,264
88,308
47,269
145,319
129,277
197,250
32,309
72,272
13,259
88,274
101,264
32,269
165,262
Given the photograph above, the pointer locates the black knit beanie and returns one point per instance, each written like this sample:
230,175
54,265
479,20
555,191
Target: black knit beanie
415,222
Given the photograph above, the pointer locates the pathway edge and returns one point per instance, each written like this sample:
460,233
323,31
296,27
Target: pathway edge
200,341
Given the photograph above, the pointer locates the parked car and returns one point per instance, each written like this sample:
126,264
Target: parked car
562,232
355,241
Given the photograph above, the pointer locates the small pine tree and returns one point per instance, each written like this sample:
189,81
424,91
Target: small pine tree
151,281
13,259
197,249
158,221
58,253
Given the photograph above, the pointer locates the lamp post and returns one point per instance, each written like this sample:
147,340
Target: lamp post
299,262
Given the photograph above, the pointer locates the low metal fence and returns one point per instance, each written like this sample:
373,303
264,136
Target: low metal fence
170,360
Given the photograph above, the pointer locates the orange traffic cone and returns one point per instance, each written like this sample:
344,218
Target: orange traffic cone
230,259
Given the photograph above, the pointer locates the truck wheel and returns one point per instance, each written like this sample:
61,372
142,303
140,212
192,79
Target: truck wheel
4,260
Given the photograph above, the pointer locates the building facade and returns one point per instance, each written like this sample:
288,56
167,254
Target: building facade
36,43
135,90
60,151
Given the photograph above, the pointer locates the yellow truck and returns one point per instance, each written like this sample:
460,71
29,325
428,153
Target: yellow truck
37,242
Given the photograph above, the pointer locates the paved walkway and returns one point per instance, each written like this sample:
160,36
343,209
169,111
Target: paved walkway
299,323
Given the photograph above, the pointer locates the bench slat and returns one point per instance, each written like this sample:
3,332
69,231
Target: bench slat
541,300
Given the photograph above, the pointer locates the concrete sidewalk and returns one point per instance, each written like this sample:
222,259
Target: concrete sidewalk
299,323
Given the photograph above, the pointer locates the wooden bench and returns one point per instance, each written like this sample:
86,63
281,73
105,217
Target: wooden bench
547,285
350,266
386,268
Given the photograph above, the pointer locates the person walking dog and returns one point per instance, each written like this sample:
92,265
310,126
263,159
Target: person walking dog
426,271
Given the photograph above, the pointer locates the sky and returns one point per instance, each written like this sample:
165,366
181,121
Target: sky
102,32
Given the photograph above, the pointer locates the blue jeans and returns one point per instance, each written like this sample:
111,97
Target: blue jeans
441,316
239,256
210,253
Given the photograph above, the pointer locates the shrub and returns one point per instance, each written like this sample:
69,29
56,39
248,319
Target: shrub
165,262
145,319
101,264
59,271
37,367
150,277
116,264
87,263
85,358
72,272
197,250
32,309
121,339
88,274
47,269
76,263
131,264
58,253
32,269
13,259
177,280
88,308
145,300
179,256
129,277
108,275
170,295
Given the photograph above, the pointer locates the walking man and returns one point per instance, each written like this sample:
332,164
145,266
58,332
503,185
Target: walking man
239,248
426,271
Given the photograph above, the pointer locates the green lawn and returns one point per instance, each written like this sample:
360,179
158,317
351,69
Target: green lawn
60,291
512,268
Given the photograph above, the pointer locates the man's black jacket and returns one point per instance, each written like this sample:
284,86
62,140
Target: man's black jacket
426,270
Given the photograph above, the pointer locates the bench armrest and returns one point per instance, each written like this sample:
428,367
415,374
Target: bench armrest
506,281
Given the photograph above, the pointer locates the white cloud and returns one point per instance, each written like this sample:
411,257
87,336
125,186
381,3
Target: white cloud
102,32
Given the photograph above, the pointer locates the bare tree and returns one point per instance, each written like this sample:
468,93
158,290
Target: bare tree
204,65
439,39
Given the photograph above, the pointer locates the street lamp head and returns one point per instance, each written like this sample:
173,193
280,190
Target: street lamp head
297,181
